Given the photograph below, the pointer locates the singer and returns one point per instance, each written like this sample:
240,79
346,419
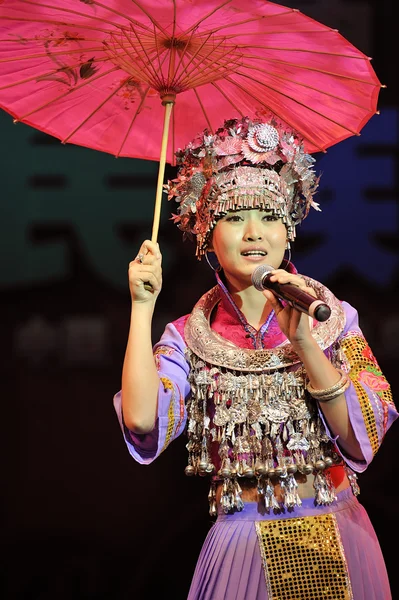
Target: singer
281,411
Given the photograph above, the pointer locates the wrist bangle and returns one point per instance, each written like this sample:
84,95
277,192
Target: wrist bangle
332,392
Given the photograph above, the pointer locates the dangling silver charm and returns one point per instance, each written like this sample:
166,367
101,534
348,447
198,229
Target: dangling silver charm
352,476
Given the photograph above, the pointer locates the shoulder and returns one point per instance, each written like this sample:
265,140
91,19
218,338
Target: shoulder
351,318
180,323
207,300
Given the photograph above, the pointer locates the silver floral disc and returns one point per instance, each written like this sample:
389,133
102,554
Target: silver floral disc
263,137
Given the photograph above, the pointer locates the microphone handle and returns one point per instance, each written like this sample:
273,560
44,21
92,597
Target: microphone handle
299,299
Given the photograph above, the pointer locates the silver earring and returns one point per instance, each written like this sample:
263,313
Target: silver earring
288,247
215,267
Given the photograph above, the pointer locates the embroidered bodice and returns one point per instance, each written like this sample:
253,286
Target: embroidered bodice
249,414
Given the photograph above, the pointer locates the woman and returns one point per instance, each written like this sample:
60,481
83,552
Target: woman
280,410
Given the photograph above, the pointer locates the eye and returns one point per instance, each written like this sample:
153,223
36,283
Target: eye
270,218
232,218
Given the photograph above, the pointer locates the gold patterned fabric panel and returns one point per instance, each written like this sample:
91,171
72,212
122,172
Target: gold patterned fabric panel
364,370
303,559
168,385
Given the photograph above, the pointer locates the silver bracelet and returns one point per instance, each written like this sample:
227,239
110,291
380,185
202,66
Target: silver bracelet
331,392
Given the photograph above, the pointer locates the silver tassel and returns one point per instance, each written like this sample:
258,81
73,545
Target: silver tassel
325,492
353,481
270,499
212,501
289,487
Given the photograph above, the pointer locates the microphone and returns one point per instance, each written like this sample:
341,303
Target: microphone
292,294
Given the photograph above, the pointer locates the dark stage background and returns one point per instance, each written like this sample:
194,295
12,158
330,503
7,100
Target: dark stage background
82,520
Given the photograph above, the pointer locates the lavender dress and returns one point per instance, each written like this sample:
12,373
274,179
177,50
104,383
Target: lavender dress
311,552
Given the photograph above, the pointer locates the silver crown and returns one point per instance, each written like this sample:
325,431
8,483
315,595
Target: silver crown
263,137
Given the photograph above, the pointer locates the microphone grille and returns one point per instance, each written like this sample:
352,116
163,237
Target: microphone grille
258,276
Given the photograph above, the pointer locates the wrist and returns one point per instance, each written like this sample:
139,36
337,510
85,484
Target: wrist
304,344
143,309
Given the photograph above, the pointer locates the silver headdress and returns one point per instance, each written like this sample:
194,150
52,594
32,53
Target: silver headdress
245,164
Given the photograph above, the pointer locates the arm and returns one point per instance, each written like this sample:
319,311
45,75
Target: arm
322,374
359,417
140,380
173,389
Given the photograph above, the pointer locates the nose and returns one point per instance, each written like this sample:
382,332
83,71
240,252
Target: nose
253,231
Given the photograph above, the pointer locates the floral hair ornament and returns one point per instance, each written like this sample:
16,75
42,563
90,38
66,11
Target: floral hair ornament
245,164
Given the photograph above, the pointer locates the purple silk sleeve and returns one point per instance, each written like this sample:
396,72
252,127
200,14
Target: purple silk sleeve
369,399
173,389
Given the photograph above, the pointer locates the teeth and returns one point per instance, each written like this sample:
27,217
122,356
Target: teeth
254,253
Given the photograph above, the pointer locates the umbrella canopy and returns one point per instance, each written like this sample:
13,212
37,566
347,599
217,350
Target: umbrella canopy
141,78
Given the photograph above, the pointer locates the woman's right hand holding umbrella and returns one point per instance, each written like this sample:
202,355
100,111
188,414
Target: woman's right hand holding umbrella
140,381
145,274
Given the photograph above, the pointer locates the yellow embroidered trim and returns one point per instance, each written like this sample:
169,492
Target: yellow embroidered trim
168,385
363,368
162,351
304,558
165,350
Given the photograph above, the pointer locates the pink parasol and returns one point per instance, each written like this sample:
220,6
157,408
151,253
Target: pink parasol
141,78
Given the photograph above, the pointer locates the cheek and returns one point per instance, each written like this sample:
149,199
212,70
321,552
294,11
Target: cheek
279,236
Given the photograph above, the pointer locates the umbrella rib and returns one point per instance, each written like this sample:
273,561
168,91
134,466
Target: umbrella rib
282,117
304,85
227,98
45,55
172,53
183,53
317,52
150,17
96,110
281,32
78,87
173,137
133,120
91,17
270,87
44,75
285,12
138,57
297,66
207,66
201,105
51,22
149,61
18,41
158,54
203,109
212,12
268,34
258,19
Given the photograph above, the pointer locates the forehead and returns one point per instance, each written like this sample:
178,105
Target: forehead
267,211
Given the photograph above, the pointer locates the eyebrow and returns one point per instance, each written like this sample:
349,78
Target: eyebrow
267,211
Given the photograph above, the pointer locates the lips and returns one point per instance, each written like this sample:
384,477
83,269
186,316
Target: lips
254,252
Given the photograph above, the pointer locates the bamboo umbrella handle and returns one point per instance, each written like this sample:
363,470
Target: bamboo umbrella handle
161,172
168,103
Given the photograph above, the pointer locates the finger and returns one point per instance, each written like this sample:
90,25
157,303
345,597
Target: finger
138,270
284,277
274,301
310,291
148,279
144,272
148,251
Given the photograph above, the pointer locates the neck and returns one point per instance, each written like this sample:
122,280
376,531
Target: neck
252,304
